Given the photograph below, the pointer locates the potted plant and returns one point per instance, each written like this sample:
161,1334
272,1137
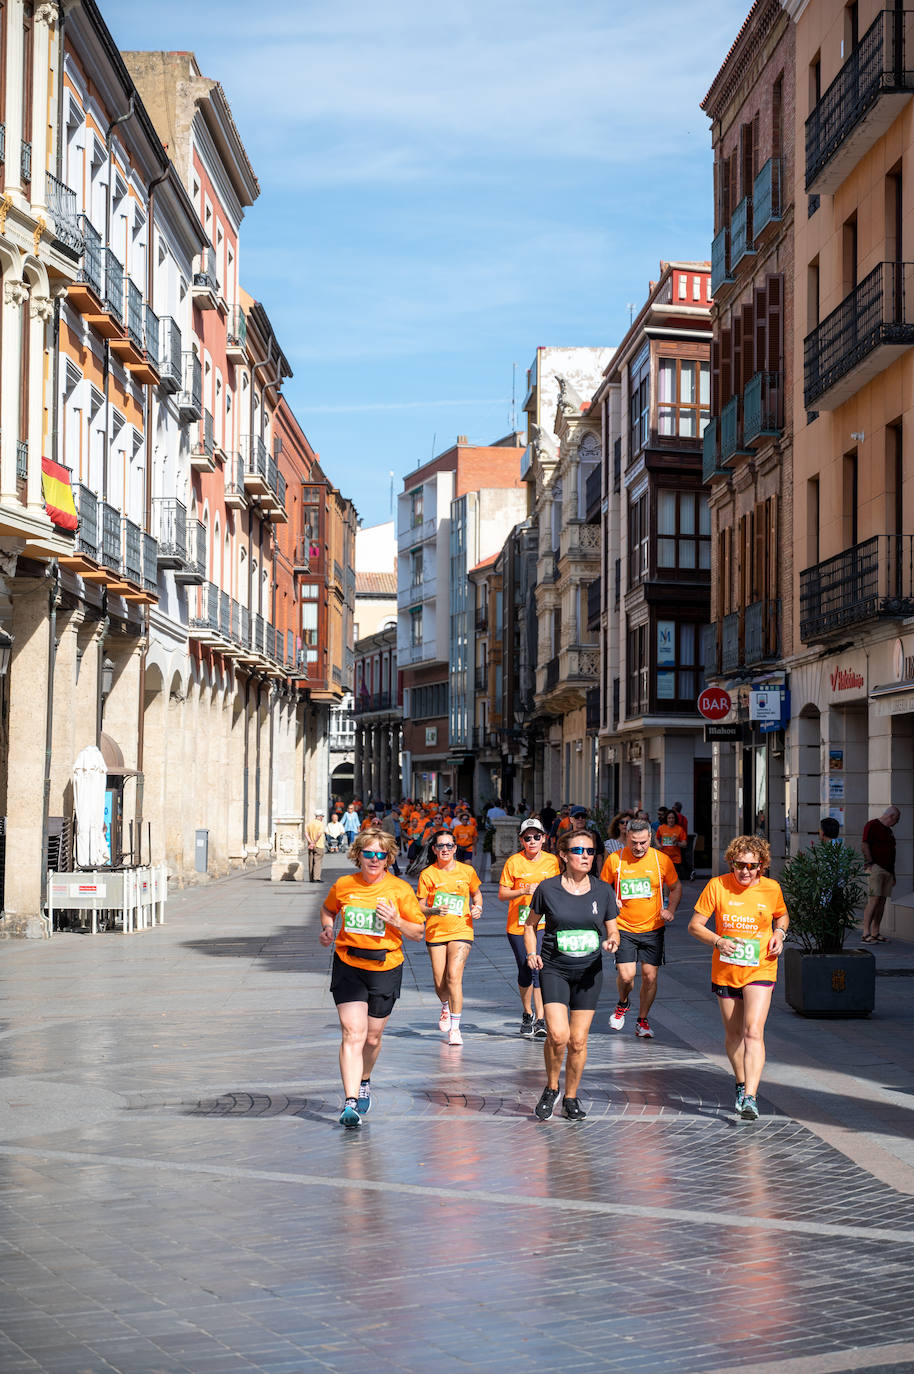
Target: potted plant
823,887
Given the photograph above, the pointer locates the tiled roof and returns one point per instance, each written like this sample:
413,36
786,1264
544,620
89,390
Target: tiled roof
376,584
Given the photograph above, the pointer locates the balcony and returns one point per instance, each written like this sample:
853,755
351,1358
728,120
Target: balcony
552,674
580,541
190,397
424,652
709,651
22,460
256,482
236,336
762,631
146,371
203,621
871,327
763,407
202,453
62,205
861,103
205,289
130,347
169,518
131,551
730,444
730,654
274,503
25,161
235,497
741,241
594,590
871,581
593,495
766,197
426,589
113,292
719,260
170,355
86,292
110,552
482,618
87,534
417,533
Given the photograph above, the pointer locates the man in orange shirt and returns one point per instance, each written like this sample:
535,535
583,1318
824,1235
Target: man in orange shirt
670,839
639,875
465,833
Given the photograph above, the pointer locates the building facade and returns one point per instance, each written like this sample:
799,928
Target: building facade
378,716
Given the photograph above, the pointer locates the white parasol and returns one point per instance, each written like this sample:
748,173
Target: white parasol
90,774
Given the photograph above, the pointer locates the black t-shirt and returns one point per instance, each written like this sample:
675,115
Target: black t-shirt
575,924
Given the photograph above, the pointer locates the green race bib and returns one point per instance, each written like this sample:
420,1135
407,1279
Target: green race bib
451,902
362,920
668,840
523,913
577,943
634,887
747,954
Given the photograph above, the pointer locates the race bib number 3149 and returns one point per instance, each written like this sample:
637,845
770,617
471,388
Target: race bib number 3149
634,887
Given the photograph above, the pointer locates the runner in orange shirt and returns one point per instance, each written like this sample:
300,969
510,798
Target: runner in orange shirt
751,923
450,898
465,833
520,878
378,911
639,875
669,838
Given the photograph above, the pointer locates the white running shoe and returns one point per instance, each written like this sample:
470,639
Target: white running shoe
643,1029
617,1020
444,1020
454,1037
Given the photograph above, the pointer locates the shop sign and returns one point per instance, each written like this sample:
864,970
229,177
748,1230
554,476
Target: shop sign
903,663
431,736
735,732
714,703
847,677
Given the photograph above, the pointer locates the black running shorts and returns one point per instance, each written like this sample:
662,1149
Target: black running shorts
646,946
577,991
380,988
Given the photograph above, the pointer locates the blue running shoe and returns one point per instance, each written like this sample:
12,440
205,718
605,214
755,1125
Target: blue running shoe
749,1109
740,1096
363,1104
349,1116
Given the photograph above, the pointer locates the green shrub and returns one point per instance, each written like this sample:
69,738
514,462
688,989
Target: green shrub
823,887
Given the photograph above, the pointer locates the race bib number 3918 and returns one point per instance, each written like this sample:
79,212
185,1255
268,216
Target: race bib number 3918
362,920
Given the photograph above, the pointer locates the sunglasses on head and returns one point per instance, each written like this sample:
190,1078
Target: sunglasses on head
579,849
373,854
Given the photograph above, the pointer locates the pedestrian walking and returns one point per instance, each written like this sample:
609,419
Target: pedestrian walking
520,877
316,837
750,924
879,861
648,891
579,911
351,822
378,911
451,900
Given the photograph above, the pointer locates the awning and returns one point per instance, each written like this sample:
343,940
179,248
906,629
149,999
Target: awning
114,759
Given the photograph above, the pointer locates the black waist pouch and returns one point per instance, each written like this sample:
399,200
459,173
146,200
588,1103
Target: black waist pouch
375,956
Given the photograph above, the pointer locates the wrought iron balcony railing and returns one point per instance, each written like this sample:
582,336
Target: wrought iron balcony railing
22,460
766,196
861,337
763,401
92,271
132,551
729,643
113,290
87,510
729,429
741,241
237,327
170,524
135,314
111,537
871,581
25,161
196,546
206,275
205,612
720,246
62,205
710,660
848,120
762,632
205,442
170,353
151,333
190,398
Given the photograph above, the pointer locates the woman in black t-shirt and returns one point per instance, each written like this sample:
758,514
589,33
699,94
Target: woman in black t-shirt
580,913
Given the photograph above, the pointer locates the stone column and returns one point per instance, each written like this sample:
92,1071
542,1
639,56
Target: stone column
15,294
384,778
28,707
68,670
41,309
358,763
45,57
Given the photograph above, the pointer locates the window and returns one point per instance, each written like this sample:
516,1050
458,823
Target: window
637,698
638,540
415,567
415,627
678,676
684,398
426,702
309,623
683,531
639,392
415,508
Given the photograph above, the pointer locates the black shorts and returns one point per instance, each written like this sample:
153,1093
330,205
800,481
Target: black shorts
379,987
646,946
722,990
453,940
576,991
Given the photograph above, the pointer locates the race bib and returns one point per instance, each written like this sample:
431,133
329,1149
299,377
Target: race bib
668,841
634,887
362,920
577,943
748,953
451,902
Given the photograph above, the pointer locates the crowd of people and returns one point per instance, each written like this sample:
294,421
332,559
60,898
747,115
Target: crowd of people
561,919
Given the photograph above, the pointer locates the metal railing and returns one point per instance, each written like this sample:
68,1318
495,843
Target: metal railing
258,640
709,656
87,510
62,205
206,276
879,311
191,396
766,196
482,617
741,242
237,327
170,523
206,616
762,631
151,333
131,551
196,545
150,563
225,614
871,581
113,291
729,643
719,255
255,454
234,481
206,442
92,271
244,627
593,494
22,460
762,406
877,65
111,537
135,314
729,429
710,449
170,352
2,143
25,160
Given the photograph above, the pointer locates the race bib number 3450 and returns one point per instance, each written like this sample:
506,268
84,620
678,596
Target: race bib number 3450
362,920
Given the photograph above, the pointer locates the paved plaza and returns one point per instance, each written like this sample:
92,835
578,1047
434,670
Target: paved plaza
176,1194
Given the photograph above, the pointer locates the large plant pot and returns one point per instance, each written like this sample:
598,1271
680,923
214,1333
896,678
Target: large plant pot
830,984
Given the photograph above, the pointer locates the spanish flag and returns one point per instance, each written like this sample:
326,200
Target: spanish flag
58,494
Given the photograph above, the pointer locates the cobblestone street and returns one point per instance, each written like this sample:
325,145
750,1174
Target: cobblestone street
177,1196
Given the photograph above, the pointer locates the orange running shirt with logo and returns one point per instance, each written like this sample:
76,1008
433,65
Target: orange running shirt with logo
670,838
465,835
743,914
638,885
449,892
519,871
362,927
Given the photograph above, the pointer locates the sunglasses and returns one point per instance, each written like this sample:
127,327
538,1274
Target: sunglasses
534,835
737,864
579,849
374,854
445,846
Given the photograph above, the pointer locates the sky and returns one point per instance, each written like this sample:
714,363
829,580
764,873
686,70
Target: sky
444,187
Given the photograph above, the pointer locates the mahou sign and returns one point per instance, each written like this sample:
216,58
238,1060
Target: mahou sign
714,703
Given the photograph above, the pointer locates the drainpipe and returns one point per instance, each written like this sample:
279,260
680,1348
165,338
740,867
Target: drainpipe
53,602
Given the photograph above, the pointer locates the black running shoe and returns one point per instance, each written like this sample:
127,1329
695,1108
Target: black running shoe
543,1108
573,1109
527,1024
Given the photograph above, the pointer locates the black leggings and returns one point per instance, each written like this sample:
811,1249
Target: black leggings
525,974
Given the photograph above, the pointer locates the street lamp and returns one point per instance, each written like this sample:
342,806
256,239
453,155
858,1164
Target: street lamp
107,678
6,652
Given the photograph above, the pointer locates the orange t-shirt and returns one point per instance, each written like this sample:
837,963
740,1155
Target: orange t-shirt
669,839
465,835
362,928
744,914
450,920
639,887
517,872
